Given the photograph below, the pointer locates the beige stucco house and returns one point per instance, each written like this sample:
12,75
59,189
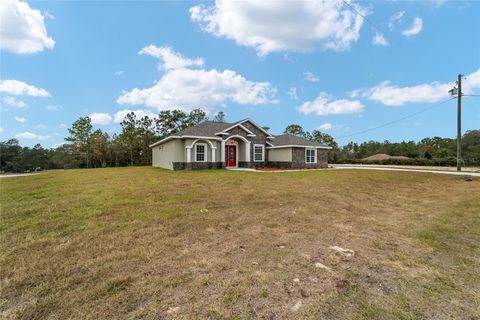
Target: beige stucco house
244,144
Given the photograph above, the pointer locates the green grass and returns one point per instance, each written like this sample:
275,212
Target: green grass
137,242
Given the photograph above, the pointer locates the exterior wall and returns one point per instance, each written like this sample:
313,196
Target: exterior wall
165,154
218,151
297,159
198,165
188,142
260,138
173,154
280,155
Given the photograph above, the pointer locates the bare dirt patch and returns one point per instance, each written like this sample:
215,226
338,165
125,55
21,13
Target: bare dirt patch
147,243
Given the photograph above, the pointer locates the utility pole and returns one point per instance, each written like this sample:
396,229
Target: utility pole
459,123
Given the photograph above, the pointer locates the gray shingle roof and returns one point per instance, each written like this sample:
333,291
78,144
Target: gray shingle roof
209,128
288,139
205,129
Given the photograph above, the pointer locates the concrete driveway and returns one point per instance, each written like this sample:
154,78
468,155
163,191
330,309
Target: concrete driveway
2,176
461,173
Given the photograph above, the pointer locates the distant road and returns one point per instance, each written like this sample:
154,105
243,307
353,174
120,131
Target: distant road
461,173
17,175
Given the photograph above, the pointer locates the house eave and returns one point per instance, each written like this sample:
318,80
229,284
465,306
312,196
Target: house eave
239,124
299,146
183,137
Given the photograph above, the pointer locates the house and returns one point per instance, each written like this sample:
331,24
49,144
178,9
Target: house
243,144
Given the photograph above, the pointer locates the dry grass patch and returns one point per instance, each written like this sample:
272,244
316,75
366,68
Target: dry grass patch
144,243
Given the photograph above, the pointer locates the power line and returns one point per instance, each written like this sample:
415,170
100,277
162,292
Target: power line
396,6
395,121
352,8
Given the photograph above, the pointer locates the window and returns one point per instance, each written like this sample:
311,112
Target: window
201,152
258,152
310,155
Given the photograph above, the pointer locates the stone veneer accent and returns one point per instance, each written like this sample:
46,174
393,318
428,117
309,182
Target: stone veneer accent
298,155
298,162
252,164
198,165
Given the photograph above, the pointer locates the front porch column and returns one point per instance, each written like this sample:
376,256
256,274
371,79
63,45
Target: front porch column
247,151
222,151
189,154
214,149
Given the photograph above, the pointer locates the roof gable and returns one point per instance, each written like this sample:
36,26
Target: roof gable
291,140
239,124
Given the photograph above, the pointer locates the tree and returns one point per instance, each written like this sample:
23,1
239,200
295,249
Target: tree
129,136
296,130
219,117
80,133
327,139
10,152
471,147
65,156
171,121
324,138
100,148
145,130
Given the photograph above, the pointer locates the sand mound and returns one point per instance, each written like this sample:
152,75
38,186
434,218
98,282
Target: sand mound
383,156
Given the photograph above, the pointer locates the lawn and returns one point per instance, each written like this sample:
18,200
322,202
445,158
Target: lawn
145,243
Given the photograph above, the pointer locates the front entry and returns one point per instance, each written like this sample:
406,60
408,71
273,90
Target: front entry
230,156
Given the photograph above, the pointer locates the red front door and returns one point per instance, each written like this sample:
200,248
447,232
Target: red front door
230,156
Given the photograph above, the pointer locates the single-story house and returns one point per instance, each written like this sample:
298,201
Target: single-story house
243,144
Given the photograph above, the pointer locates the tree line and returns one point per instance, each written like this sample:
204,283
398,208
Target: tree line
428,151
89,148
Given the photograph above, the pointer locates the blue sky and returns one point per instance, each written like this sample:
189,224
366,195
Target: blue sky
311,63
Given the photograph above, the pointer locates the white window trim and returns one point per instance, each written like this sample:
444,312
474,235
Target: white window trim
315,157
263,152
205,153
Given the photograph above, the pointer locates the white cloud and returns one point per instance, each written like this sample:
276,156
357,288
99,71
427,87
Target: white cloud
273,26
20,119
63,125
307,75
379,39
22,28
120,115
41,126
471,82
53,107
1,130
11,101
30,136
20,88
395,18
393,95
171,59
328,126
437,3
100,118
292,92
48,15
324,105
187,89
416,27
119,72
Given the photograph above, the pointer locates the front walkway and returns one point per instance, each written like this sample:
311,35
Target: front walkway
458,173
14,175
461,173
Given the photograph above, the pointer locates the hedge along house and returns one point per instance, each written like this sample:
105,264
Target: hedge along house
243,144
